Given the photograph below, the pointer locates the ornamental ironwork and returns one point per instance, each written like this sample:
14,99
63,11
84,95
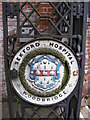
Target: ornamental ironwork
64,24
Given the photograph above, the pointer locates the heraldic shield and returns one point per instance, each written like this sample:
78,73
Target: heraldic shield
44,71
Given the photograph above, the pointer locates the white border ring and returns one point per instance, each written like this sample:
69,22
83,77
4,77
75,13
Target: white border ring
54,45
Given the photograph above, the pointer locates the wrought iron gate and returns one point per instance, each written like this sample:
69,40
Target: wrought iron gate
65,22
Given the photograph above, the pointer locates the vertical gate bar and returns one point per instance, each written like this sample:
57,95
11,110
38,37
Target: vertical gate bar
6,61
67,110
22,109
83,58
76,24
71,25
18,20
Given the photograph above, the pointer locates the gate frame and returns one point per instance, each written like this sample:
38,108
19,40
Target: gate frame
81,63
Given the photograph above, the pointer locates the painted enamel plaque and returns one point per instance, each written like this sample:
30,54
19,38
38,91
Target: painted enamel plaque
47,72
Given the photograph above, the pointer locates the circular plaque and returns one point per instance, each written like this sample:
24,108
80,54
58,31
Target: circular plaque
47,72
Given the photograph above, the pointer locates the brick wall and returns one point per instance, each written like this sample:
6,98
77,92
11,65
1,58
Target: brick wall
44,26
44,9
86,87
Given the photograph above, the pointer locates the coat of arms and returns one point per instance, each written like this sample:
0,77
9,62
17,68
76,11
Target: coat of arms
44,70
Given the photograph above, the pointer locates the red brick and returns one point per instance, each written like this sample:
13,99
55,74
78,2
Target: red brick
40,9
87,77
44,14
44,5
0,13
88,60
50,9
45,9
85,89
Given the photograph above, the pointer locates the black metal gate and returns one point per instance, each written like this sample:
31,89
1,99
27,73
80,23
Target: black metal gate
67,23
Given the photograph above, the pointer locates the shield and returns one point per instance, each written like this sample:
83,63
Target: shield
44,71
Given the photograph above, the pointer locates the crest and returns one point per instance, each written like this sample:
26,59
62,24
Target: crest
44,71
